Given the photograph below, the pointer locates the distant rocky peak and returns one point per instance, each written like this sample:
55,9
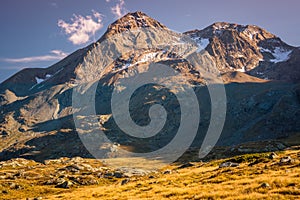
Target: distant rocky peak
248,32
242,47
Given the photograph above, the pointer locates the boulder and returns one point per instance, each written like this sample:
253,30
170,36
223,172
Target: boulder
65,185
286,160
228,164
265,185
273,155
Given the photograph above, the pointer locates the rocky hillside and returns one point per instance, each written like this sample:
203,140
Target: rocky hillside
260,72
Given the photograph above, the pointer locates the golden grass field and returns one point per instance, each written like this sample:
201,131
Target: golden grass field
257,177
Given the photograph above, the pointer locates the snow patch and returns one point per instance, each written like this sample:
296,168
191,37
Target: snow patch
39,80
265,50
279,54
201,42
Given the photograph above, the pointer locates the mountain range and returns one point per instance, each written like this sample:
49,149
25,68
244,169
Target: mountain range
260,73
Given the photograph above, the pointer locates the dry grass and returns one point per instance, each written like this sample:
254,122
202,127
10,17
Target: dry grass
201,181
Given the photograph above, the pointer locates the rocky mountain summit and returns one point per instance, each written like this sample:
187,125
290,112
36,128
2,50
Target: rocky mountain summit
260,72
132,21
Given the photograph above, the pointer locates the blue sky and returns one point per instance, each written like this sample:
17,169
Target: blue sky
38,33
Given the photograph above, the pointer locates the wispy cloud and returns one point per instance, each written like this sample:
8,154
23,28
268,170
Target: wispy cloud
119,9
54,55
82,28
53,4
59,53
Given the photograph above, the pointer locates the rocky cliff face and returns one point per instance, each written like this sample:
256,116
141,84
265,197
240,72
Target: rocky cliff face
260,72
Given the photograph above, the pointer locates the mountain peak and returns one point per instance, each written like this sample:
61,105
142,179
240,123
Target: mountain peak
250,31
131,21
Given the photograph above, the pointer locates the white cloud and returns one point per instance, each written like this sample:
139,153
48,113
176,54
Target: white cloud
82,28
55,55
119,9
